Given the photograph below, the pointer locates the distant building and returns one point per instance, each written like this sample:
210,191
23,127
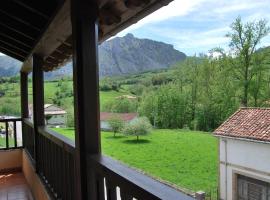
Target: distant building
130,97
54,115
106,116
244,155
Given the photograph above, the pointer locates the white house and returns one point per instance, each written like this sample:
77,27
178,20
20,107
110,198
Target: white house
54,116
244,155
106,116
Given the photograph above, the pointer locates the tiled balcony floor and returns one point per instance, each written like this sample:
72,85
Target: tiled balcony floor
13,186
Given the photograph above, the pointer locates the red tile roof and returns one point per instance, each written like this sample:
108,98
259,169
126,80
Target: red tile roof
249,123
105,116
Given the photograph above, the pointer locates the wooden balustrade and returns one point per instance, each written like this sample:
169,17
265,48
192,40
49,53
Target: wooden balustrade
115,180
28,137
9,135
112,180
56,165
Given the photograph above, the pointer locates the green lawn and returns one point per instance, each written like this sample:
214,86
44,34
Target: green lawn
185,158
3,142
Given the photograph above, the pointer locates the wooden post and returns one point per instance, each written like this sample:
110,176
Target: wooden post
84,17
200,195
24,95
38,100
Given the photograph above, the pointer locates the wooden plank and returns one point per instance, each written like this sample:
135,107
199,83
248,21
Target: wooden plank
7,139
24,95
111,190
38,101
134,183
86,92
57,32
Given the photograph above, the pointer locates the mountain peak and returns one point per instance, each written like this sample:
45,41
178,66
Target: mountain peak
129,35
118,56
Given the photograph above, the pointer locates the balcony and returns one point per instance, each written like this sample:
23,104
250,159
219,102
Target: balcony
43,36
49,170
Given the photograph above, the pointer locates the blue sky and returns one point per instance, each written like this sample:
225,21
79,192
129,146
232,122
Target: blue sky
196,26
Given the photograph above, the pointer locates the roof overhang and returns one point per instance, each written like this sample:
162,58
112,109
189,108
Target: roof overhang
55,45
242,139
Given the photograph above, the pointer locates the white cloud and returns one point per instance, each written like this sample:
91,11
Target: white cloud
199,25
176,8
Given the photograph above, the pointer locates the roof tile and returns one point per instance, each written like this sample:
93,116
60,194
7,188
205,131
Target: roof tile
249,123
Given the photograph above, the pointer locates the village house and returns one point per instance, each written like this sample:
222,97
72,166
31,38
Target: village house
129,97
106,116
244,149
54,115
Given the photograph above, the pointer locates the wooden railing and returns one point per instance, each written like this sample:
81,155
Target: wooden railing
56,165
9,137
29,137
112,180
115,180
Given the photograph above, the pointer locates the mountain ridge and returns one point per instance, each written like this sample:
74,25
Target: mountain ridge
118,56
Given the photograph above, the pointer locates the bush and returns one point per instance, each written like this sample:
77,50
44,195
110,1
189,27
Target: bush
108,84
138,127
70,118
116,124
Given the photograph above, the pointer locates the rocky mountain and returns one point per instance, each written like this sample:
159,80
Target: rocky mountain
129,55
9,66
118,56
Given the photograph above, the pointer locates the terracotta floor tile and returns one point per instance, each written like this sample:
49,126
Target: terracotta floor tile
13,186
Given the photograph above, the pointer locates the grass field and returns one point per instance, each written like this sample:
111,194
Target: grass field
11,100
185,158
3,142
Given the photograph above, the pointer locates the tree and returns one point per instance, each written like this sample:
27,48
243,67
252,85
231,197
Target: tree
122,105
116,124
138,127
244,40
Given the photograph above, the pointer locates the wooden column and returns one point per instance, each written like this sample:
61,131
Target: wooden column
38,100
84,15
24,95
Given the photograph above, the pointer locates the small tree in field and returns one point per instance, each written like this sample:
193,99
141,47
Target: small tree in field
116,124
140,126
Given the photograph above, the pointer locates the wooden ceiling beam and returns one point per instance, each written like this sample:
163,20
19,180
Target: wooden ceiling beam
136,3
108,17
18,27
22,49
13,49
16,40
8,52
23,4
19,20
57,32
17,31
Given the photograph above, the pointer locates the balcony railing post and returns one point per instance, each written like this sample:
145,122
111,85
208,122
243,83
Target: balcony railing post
38,101
84,17
24,95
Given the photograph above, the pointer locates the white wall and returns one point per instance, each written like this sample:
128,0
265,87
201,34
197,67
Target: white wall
57,120
251,159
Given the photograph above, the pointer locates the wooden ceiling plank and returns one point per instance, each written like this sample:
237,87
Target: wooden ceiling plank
17,31
23,4
57,32
5,36
14,46
19,20
11,53
13,49
19,27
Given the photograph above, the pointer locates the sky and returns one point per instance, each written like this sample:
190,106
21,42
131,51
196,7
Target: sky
196,26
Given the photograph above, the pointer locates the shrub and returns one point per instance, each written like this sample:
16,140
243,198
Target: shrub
138,127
